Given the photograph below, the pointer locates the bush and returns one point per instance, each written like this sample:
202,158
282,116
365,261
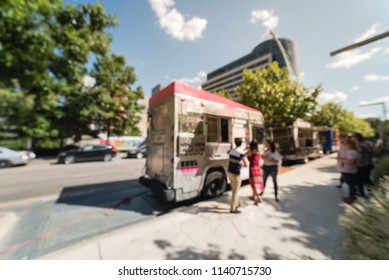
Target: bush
14,144
367,226
381,169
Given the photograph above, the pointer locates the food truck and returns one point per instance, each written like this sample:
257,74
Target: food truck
299,141
329,138
189,136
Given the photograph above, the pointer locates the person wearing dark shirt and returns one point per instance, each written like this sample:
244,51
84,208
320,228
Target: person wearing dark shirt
237,158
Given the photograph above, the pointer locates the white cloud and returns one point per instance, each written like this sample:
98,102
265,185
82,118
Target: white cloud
369,33
387,50
336,97
195,81
384,99
175,24
267,18
374,77
354,88
350,58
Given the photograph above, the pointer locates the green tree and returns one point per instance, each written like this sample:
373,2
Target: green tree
113,103
224,93
48,59
333,115
328,114
378,125
280,99
350,123
13,107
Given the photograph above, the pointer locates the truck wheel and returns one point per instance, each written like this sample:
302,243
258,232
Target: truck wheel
215,184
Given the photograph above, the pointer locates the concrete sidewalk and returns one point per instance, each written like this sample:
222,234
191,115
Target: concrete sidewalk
303,225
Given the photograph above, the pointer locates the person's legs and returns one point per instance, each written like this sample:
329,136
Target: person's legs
235,186
350,180
366,178
359,181
341,182
266,173
256,186
273,174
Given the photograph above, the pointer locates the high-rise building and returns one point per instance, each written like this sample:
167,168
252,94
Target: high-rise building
229,76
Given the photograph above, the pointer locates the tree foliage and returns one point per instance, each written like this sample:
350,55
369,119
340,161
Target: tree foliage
113,103
333,115
352,124
45,47
328,114
223,93
280,99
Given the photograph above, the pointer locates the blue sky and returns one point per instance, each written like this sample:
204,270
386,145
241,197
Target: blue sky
183,40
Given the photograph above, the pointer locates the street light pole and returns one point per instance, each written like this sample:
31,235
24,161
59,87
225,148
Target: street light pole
358,44
364,42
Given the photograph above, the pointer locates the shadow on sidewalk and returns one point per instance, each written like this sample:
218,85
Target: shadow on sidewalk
314,211
192,253
120,195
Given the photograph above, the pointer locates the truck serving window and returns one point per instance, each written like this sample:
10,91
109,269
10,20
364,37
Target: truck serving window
258,133
212,129
217,130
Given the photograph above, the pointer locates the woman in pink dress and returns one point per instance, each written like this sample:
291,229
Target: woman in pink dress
255,172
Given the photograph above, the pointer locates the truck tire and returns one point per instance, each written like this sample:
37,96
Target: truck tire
215,184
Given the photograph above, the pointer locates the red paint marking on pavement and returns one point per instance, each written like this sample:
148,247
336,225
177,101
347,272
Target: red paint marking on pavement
48,233
17,246
51,232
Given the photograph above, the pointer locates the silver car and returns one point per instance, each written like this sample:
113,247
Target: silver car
9,157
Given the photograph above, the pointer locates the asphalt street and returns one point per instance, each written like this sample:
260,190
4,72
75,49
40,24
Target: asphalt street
58,205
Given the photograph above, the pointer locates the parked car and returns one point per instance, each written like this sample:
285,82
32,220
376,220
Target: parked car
10,157
88,153
138,152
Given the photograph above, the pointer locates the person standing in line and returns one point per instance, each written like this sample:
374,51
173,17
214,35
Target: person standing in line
272,158
365,163
348,167
343,137
236,160
255,173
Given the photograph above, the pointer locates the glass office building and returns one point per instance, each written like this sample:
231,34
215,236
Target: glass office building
228,77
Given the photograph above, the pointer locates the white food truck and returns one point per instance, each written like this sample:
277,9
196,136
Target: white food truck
189,136
299,141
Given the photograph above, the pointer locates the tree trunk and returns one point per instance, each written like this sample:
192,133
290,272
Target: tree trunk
108,131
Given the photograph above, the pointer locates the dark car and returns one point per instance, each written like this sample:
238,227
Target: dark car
138,152
88,153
